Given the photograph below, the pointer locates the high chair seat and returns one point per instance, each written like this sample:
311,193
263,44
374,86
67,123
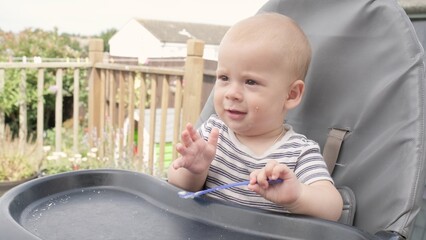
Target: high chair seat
367,77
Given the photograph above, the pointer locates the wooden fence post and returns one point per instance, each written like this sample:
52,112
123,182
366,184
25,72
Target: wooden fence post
193,81
96,49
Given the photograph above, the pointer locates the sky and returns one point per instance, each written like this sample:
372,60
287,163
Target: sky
91,17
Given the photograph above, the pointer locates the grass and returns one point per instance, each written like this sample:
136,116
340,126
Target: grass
167,153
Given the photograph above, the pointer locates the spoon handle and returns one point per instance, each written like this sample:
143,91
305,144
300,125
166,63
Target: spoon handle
184,194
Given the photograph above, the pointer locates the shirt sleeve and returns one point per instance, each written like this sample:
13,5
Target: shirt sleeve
311,166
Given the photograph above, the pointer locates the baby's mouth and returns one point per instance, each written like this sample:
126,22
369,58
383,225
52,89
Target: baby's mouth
235,112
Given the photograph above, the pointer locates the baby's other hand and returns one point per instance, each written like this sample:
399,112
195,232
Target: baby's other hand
285,193
196,153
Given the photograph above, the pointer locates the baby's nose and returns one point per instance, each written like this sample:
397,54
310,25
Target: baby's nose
234,92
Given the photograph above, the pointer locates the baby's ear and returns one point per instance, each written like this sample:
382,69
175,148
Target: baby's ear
295,94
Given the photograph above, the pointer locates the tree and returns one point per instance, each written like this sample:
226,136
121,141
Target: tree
30,43
106,36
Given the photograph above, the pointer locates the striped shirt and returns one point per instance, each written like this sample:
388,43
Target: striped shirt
234,162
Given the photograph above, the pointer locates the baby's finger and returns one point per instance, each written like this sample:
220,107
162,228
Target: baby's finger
262,179
193,134
186,139
180,148
269,167
257,189
178,163
253,176
281,171
214,136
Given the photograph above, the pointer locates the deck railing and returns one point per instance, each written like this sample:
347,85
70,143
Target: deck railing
115,91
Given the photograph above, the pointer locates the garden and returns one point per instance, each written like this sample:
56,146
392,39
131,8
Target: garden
30,153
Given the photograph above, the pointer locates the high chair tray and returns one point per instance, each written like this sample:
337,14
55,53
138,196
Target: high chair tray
118,204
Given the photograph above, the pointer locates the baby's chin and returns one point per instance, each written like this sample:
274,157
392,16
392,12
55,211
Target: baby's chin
240,127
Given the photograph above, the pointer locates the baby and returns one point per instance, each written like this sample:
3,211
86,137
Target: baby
262,64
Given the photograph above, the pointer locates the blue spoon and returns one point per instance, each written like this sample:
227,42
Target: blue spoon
186,195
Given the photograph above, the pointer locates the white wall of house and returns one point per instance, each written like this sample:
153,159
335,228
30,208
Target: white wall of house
133,40
173,50
179,50
211,52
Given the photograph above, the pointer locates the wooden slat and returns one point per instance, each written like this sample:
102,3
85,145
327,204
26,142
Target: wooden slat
40,107
164,106
177,123
102,115
58,110
23,110
112,111
121,115
131,116
93,105
153,81
76,110
111,98
141,123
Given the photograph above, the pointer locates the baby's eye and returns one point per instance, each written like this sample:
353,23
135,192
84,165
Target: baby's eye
251,82
223,78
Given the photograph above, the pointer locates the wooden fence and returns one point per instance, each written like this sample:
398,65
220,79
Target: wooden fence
112,100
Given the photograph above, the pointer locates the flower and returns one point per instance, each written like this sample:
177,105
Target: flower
52,158
46,148
52,89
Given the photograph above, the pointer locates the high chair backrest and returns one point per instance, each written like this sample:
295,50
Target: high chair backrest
367,76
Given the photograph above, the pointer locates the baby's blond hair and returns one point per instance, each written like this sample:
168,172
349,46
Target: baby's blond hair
286,35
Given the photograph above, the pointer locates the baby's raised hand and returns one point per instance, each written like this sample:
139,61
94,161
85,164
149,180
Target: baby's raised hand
286,193
196,153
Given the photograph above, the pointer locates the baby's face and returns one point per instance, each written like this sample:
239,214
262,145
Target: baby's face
251,87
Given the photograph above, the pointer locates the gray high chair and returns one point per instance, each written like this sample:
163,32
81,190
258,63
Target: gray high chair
365,105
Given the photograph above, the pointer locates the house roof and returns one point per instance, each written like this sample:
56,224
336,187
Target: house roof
413,6
180,32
